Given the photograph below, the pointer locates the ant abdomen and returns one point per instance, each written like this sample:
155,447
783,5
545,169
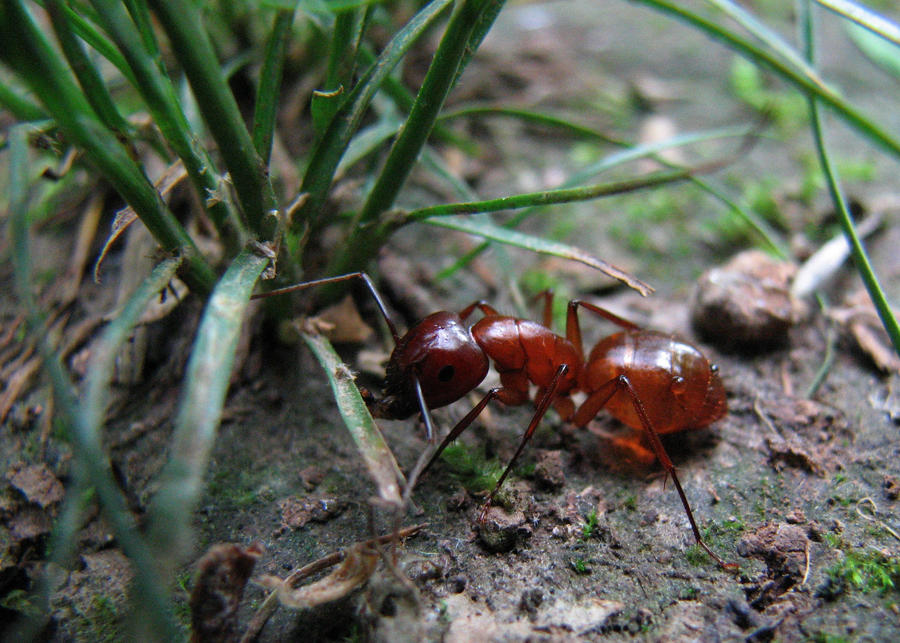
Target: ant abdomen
676,385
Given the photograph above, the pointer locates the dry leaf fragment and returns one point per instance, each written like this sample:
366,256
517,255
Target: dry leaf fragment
222,574
859,318
342,324
357,567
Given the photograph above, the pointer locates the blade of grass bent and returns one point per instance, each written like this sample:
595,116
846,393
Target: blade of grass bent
512,237
206,384
365,432
151,594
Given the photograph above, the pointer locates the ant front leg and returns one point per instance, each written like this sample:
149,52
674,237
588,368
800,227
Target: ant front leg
598,399
337,279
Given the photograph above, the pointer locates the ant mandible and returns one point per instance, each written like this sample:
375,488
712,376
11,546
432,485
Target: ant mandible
649,381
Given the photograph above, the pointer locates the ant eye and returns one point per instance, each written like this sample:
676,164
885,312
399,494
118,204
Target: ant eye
446,373
714,368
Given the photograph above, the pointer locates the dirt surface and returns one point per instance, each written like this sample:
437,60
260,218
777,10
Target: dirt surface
799,492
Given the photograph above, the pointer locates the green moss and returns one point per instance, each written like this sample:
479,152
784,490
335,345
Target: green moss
590,524
101,621
867,570
470,466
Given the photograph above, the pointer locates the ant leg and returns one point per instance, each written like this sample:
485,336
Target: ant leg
481,305
332,280
573,327
598,400
540,410
547,316
463,424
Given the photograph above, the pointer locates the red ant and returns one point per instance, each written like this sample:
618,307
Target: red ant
650,381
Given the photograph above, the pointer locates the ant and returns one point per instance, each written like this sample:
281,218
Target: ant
650,381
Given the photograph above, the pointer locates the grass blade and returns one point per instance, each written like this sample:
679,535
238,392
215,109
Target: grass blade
327,155
365,433
190,42
270,85
489,231
26,51
884,53
865,18
87,73
439,79
800,78
159,94
860,257
151,594
206,384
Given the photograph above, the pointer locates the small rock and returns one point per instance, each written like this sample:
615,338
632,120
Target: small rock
37,483
746,304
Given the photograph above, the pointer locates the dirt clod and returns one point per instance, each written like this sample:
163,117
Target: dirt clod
501,531
296,512
548,472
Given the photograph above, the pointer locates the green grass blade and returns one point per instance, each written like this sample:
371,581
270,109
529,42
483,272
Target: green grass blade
87,31
159,94
404,99
544,197
26,51
632,152
85,71
439,79
860,257
865,18
327,155
22,108
366,435
206,384
190,43
267,93
884,53
103,353
487,230
90,458
803,79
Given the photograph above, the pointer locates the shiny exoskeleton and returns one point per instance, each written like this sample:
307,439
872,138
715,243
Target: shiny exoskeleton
652,382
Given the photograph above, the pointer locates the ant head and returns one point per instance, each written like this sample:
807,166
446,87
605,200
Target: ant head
441,352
